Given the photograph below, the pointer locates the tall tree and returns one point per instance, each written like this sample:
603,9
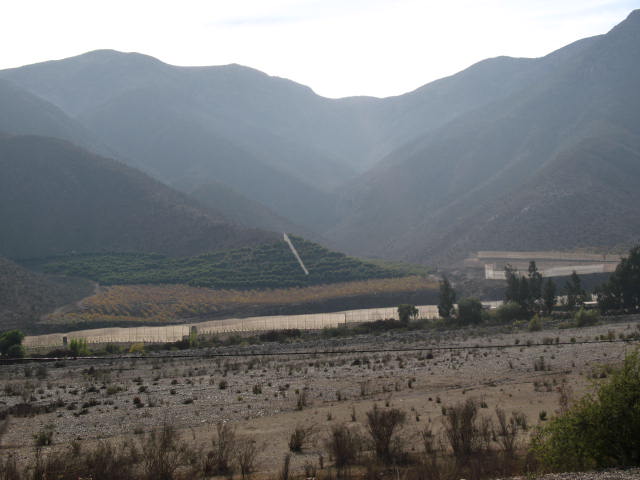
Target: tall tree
524,294
535,283
11,344
447,298
526,291
576,295
406,312
549,295
622,291
469,311
512,292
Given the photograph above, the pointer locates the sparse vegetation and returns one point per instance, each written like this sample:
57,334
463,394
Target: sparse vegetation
151,387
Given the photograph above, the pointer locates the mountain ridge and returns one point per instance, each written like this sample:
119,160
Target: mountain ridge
57,198
396,177
576,93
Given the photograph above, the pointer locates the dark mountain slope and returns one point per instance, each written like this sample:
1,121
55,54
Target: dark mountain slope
24,113
227,124
173,144
585,197
25,296
406,117
244,211
417,203
57,198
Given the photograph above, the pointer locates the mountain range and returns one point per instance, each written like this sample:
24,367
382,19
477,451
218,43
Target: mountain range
511,153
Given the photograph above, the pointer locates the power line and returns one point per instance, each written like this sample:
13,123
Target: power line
10,361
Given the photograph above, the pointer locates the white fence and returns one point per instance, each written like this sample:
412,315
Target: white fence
172,333
493,272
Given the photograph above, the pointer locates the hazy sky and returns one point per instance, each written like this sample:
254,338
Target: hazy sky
337,47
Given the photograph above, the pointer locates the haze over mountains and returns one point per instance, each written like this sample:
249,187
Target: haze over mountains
58,198
511,153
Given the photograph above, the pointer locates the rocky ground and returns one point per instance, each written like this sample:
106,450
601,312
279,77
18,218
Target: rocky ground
632,474
268,390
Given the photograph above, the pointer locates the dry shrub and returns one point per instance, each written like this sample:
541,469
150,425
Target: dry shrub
111,461
246,454
162,453
344,445
383,426
219,461
467,434
107,461
564,396
302,400
4,426
284,473
301,437
429,465
507,432
9,469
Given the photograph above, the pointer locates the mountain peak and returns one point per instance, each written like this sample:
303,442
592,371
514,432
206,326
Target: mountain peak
635,14
108,55
629,24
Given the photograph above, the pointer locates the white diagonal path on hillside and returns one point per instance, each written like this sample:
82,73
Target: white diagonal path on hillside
295,253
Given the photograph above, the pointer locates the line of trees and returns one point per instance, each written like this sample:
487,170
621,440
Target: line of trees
533,293
469,309
261,267
530,294
622,291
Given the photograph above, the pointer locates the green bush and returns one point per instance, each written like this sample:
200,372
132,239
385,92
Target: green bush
509,312
78,347
601,430
16,351
583,318
136,348
407,312
45,436
11,344
535,324
469,311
